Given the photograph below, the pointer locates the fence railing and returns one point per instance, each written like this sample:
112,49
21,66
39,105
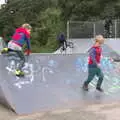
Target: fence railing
81,29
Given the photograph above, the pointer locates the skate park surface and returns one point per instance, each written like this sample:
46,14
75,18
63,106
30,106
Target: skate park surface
66,91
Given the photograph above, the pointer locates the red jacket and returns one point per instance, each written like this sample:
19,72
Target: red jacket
95,55
21,36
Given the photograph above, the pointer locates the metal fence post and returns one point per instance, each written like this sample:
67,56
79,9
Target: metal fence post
115,29
68,30
94,29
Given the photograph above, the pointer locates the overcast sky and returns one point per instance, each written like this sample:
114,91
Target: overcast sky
2,1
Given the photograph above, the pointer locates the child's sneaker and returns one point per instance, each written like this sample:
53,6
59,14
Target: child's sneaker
85,87
19,73
4,51
99,89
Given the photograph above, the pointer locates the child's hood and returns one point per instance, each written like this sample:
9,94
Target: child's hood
23,30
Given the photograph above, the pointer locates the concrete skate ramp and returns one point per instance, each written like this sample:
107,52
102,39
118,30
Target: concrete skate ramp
54,81
114,44
80,46
83,45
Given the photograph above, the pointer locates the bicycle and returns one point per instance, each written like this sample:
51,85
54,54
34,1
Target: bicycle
70,44
67,44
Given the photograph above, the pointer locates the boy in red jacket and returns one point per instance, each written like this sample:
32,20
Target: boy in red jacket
19,38
94,64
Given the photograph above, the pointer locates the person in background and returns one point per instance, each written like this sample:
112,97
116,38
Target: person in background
2,43
62,41
108,27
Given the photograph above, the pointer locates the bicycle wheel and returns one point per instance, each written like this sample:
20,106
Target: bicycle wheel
62,50
70,44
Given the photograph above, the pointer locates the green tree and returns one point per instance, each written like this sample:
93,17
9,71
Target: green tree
49,17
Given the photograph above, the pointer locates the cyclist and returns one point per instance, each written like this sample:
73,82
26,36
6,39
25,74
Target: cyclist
62,41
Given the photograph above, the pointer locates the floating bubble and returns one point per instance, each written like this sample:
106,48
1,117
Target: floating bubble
52,63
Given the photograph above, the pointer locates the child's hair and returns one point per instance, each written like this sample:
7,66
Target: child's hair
27,26
99,38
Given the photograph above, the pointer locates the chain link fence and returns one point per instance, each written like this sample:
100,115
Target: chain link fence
81,29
